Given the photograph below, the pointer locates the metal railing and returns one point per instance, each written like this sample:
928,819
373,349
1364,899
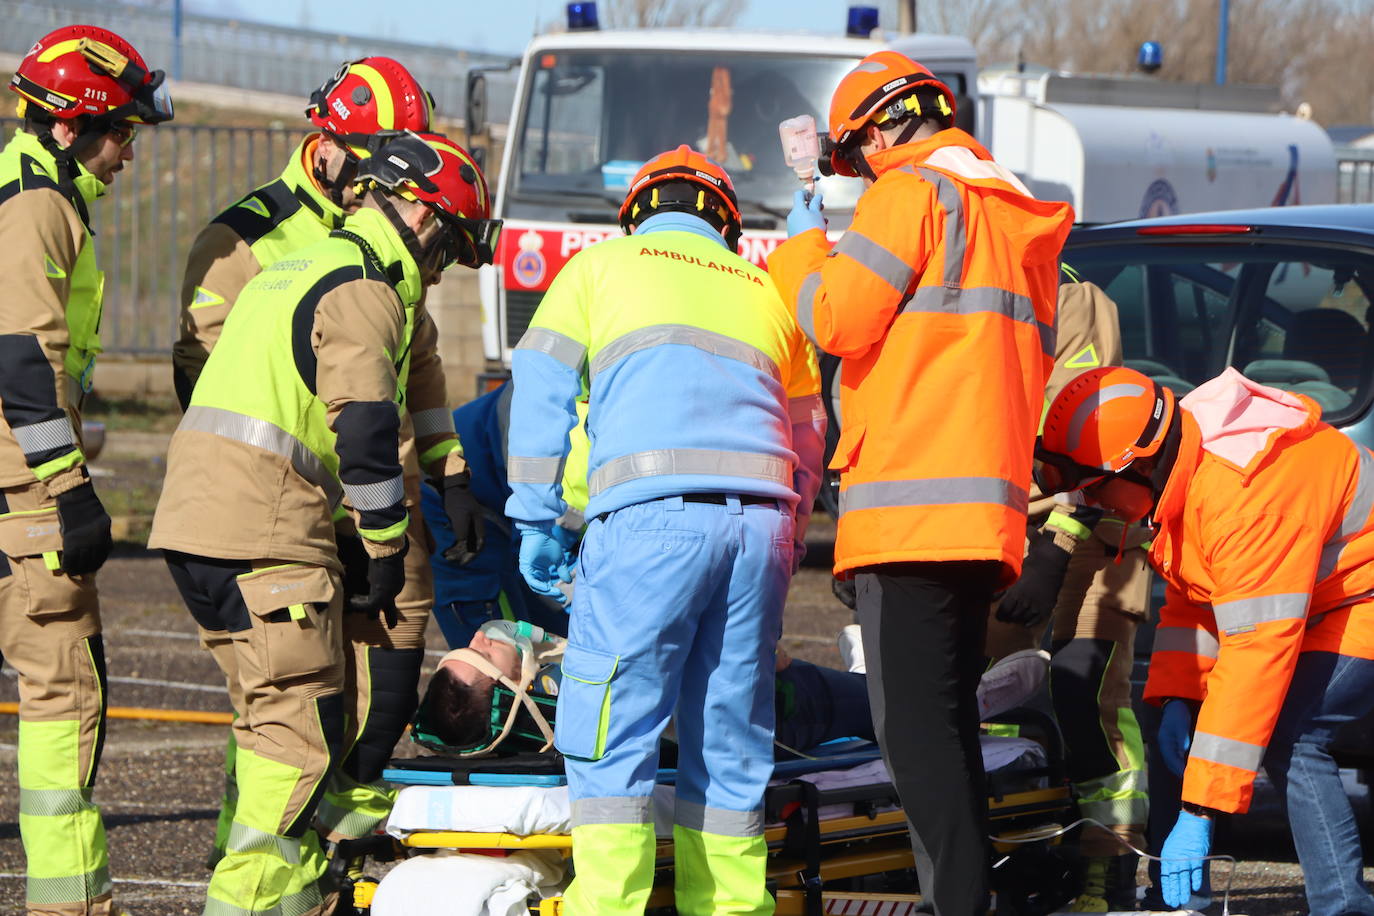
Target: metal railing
179,179
1354,175
245,55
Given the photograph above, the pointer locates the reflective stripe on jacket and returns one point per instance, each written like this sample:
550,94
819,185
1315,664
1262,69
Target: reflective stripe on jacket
940,298
49,314
699,380
298,407
1266,542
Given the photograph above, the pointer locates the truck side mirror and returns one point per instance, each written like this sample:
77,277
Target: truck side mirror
476,112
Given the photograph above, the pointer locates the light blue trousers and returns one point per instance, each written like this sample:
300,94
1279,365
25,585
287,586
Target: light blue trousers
678,609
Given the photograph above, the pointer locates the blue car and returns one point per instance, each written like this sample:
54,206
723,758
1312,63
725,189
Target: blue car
1283,294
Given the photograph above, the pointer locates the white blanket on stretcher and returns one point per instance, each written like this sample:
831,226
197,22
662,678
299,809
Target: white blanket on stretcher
530,810
463,884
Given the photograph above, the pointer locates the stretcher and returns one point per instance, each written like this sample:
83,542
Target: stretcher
837,840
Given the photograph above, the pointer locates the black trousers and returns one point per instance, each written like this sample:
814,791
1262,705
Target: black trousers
923,631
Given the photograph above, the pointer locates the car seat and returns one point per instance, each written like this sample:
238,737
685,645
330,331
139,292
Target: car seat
1162,374
1323,354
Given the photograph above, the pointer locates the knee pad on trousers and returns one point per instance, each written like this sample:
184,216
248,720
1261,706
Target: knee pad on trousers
330,710
1077,667
394,676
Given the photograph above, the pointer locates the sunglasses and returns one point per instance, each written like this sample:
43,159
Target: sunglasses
124,134
470,242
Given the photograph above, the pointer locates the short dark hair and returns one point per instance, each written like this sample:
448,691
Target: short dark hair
458,714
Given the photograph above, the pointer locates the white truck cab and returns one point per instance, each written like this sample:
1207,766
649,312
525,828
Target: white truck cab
592,106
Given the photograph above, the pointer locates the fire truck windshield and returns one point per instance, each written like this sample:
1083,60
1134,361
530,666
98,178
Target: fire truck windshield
590,119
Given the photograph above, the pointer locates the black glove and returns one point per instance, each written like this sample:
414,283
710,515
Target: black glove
1030,600
465,515
355,561
86,541
385,578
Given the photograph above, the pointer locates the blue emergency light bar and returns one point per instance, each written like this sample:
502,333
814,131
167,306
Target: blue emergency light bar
1150,57
862,21
582,17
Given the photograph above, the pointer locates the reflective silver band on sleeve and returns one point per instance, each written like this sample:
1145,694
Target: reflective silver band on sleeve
373,497
267,436
806,409
1233,753
41,437
560,346
889,268
806,306
432,421
708,462
1243,615
685,335
1194,641
1356,515
544,470
936,491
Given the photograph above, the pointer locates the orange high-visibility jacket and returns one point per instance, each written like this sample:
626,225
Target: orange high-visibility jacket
940,299
1266,542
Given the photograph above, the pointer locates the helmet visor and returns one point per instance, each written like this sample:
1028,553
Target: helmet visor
470,242
1056,473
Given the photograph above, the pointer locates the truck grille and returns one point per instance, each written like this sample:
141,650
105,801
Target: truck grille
520,306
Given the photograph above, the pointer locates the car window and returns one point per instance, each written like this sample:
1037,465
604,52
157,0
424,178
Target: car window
1293,317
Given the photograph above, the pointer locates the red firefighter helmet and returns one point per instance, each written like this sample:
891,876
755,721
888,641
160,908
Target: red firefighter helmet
433,169
721,209
86,70
368,97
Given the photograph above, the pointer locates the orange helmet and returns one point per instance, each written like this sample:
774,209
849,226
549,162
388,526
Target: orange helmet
368,97
880,90
1101,421
85,70
715,201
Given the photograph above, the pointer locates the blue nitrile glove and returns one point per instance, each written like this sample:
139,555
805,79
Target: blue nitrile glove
1181,860
1175,734
804,215
543,561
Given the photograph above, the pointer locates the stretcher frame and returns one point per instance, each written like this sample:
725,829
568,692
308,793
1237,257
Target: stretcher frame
807,853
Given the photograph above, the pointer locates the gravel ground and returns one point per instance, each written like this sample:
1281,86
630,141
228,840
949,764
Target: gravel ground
159,783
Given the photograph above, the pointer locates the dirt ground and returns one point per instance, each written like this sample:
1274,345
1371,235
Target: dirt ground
159,783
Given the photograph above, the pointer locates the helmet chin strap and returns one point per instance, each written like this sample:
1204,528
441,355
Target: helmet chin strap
408,238
335,187
67,165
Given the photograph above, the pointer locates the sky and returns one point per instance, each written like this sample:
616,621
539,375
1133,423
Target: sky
504,26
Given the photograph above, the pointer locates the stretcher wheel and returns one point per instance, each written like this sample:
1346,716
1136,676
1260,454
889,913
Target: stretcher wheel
1035,880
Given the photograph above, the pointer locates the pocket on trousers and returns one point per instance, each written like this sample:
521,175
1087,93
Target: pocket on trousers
584,702
294,627
32,542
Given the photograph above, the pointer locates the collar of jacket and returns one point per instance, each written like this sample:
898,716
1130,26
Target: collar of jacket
299,179
671,221
87,185
1172,498
376,229
915,153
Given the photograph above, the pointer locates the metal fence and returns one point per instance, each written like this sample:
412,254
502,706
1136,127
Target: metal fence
1354,176
228,52
179,179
